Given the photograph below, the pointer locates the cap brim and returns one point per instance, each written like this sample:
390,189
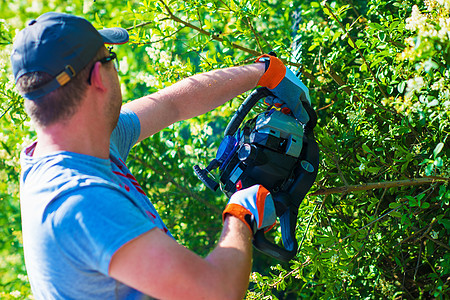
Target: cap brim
114,36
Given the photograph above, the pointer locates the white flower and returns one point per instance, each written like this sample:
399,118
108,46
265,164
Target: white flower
444,3
434,234
413,85
444,32
438,85
416,21
164,58
23,277
334,259
15,294
148,79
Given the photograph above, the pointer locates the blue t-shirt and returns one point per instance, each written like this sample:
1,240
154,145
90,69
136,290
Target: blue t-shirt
77,210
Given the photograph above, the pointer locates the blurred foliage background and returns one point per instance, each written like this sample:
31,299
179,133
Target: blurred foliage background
376,224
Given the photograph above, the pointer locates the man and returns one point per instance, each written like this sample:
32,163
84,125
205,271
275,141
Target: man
89,230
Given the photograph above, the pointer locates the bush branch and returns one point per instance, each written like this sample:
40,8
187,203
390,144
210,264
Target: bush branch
380,185
217,38
202,31
437,242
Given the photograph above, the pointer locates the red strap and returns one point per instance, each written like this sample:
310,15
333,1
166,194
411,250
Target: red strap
274,74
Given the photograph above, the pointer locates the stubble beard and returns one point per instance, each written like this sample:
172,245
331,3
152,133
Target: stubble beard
113,109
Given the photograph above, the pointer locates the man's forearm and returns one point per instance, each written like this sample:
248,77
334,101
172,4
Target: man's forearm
193,96
233,256
157,265
201,93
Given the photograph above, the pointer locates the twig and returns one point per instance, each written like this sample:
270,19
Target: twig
140,25
418,261
307,262
326,106
163,38
227,6
199,18
370,229
219,39
7,96
380,185
214,37
336,161
255,34
307,227
437,242
4,113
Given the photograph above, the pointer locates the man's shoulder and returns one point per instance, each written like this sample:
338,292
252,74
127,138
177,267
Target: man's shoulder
65,174
63,166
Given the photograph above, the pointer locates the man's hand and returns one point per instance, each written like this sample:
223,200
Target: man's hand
285,86
253,206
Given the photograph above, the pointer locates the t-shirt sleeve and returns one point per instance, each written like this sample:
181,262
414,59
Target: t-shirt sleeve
91,226
126,133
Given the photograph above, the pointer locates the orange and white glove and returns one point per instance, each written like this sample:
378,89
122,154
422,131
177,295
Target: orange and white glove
253,206
285,86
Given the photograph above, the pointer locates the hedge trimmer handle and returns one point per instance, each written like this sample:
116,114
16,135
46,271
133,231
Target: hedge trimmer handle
288,223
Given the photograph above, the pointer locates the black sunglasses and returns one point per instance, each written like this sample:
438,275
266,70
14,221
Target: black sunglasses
112,57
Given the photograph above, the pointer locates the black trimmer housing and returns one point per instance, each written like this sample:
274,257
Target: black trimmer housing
274,150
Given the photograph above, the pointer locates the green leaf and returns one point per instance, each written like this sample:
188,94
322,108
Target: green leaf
438,149
363,68
374,25
412,201
366,148
373,169
350,42
445,223
396,214
425,205
439,162
429,169
393,25
336,35
357,245
360,44
398,261
312,47
327,254
401,86
394,205
421,196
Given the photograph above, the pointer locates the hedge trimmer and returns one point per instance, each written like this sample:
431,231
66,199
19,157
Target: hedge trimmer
275,150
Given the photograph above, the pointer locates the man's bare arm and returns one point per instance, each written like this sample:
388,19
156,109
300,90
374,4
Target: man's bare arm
193,96
160,267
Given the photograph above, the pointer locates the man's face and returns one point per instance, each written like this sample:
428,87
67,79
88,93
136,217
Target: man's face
115,103
112,110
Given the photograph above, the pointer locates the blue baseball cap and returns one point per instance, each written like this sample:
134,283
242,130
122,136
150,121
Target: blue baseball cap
60,45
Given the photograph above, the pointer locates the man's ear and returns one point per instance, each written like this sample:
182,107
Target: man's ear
96,77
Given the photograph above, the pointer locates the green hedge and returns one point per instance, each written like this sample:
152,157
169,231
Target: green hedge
375,225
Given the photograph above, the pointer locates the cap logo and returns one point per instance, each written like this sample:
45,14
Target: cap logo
64,76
